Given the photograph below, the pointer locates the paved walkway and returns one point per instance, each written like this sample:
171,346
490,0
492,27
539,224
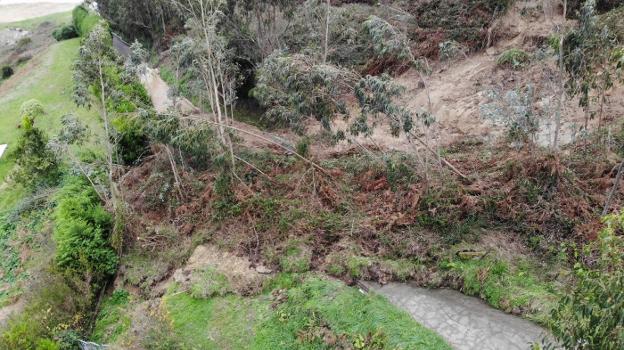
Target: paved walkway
466,323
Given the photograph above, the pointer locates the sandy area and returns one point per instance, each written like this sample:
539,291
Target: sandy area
16,10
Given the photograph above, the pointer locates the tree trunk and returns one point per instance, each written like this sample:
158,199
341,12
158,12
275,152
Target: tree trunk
618,177
325,53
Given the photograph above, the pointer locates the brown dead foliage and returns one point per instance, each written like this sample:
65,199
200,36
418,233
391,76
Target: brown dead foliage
529,192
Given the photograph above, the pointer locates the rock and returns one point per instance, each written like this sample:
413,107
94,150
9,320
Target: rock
263,270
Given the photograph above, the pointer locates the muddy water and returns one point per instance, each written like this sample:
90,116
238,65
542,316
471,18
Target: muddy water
466,323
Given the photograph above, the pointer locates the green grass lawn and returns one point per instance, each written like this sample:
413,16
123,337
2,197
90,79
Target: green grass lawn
297,313
47,78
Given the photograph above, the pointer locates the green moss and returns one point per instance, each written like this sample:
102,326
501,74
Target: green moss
307,313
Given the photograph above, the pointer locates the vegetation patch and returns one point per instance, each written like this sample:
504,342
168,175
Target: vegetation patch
298,312
513,58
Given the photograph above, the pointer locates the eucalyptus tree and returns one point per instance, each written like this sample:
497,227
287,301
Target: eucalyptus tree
586,53
96,60
150,21
214,63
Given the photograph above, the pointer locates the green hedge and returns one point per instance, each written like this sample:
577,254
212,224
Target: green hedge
84,20
65,32
81,232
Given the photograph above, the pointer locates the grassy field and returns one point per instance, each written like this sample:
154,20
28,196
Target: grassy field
29,24
295,311
47,78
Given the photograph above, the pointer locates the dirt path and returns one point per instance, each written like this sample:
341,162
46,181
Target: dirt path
19,10
465,323
159,94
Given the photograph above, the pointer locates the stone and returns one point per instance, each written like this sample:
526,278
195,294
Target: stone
263,270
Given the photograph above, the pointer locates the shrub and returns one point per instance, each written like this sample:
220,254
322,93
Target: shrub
84,20
389,43
132,142
22,44
513,58
7,72
36,164
294,87
81,232
65,32
592,315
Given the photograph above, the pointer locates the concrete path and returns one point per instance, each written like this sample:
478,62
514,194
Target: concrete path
466,323
2,149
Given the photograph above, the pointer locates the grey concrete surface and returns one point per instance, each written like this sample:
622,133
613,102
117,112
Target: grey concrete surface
466,323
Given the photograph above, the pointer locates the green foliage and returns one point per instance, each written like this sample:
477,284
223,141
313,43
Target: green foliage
126,100
298,313
461,21
586,52
591,316
389,44
142,19
132,141
376,98
7,72
31,109
84,20
56,306
292,88
81,232
296,258
513,58
36,164
65,32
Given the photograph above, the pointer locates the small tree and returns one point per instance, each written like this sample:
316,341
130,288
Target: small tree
36,164
295,87
586,52
514,109
213,63
92,70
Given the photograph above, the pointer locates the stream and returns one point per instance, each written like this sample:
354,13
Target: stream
466,323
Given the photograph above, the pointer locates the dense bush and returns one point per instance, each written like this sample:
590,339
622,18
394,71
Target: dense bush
81,232
292,88
84,20
36,164
592,315
65,32
7,72
464,21
149,21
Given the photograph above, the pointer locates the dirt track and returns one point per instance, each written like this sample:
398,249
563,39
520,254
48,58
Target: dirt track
16,10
